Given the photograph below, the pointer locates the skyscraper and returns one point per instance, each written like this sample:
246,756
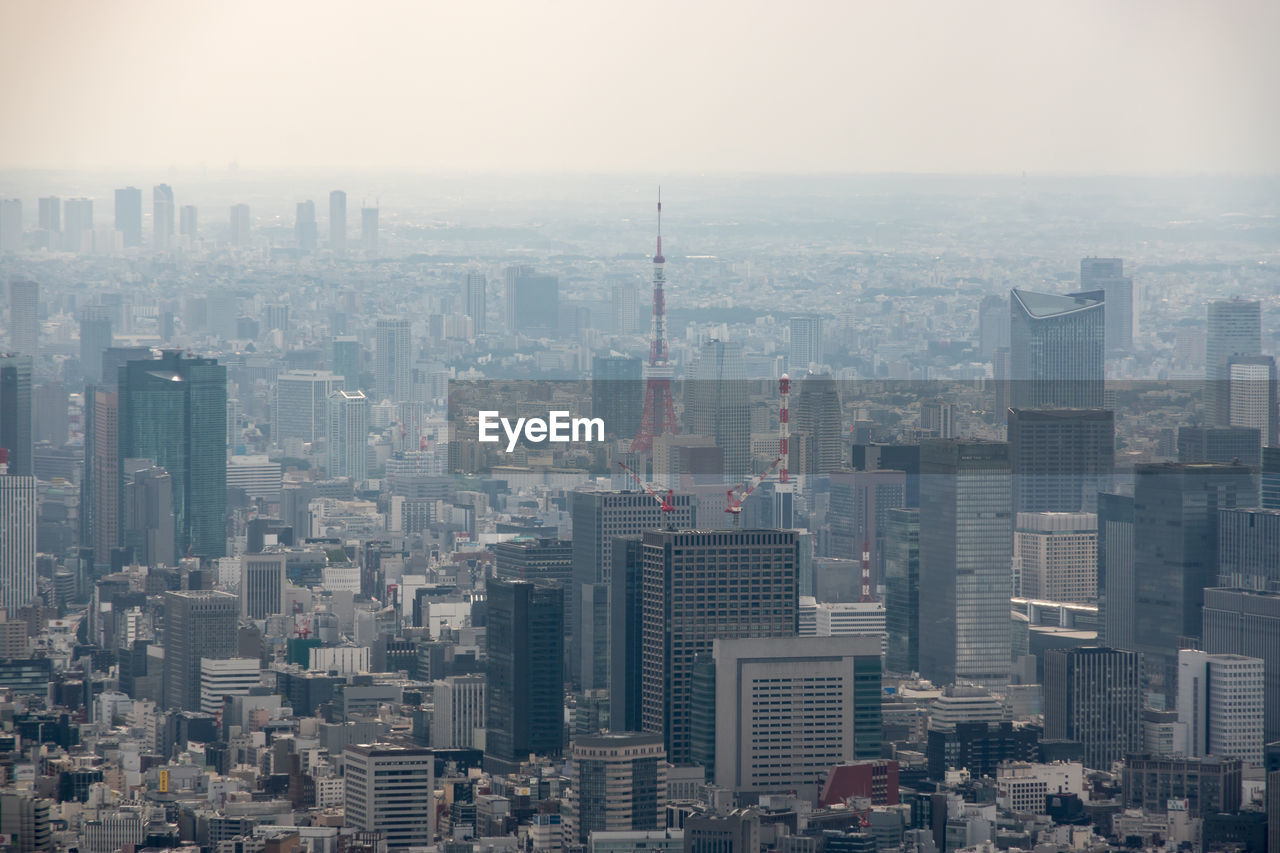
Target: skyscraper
1175,544
128,215
24,317
1234,329
1055,556
147,515
619,782
458,712
189,222
816,412
1117,585
304,226
716,404
77,234
858,508
993,325
301,411
806,343
388,790
475,301
162,213
902,590
173,410
626,633
1061,458
534,303
346,361
1247,622
1057,356
95,337
18,504
393,361
1249,548
965,552
262,584
1094,696
700,586
347,435
615,393
240,225
15,412
524,673
49,221
11,225
1107,275
1252,396
1220,701
369,230
337,220
1220,444
197,624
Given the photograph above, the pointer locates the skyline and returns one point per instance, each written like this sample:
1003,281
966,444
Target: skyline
920,88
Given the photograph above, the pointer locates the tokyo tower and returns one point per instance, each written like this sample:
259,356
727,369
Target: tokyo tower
659,416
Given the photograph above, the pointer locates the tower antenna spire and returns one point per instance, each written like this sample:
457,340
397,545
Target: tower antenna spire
659,417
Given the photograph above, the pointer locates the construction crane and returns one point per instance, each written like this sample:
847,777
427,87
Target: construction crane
664,501
735,503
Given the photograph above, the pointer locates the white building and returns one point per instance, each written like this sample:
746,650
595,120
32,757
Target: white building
1220,701
1055,556
389,789
344,660
458,711
258,476
841,619
1022,787
226,677
18,503
301,407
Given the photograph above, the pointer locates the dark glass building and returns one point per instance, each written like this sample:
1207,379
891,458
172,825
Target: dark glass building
902,590
617,397
1061,458
1057,355
1093,696
197,624
15,412
1116,582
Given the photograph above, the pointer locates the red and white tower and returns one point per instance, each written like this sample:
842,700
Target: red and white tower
659,416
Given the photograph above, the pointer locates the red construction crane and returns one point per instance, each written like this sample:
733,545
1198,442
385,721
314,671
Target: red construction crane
784,451
664,501
735,503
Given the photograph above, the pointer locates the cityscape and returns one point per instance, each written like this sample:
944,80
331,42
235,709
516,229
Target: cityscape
511,506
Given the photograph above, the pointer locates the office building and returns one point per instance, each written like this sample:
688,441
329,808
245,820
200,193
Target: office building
172,410
993,326
1057,353
1175,544
626,633
1210,785
27,822
301,411
1249,548
476,306
146,515
716,404
49,418
616,394
188,223
15,412
1234,328
788,710
18,505
337,220
262,585
1055,556
816,412
393,354
700,586
624,304
1117,585
11,239
619,783
162,217
222,677
1220,444
241,223
346,361
532,303
735,832
1220,702
1247,622
49,221
24,317
346,437
305,233
524,673
77,235
128,216
805,347
1251,396
966,534
389,790
197,624
902,590
1094,696
458,714
1107,275
1061,458
534,559
95,338
859,506
369,230
1023,787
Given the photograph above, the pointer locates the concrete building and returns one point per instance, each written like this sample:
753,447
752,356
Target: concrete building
1094,696
1022,787
300,413
619,783
458,712
18,506
389,790
262,585
197,624
1055,556
226,677
1220,702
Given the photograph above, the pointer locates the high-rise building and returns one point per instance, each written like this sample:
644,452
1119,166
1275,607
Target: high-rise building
902,590
1057,355
1061,458
346,438
533,302
95,337
147,516
1252,396
172,410
128,215
805,347
476,307
222,677
24,317
27,822
1175,545
11,225
1271,477
346,361
716,404
524,673
1094,696
1249,548
301,411
993,325
262,585
15,412
624,300
1107,275
1055,556
458,711
197,624
49,221
77,234
859,504
966,536
1234,329
1247,622
305,234
369,230
1204,786
18,504
788,710
337,220
626,633
162,214
1220,702
240,225
389,791
700,586
619,783
1220,444
817,413
393,361
616,393
189,223
50,422
1117,585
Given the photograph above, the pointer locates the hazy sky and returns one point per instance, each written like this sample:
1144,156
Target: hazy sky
606,85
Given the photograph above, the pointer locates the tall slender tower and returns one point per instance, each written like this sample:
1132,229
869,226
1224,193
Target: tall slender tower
659,416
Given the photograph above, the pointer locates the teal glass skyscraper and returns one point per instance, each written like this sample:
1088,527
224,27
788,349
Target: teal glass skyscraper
173,412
